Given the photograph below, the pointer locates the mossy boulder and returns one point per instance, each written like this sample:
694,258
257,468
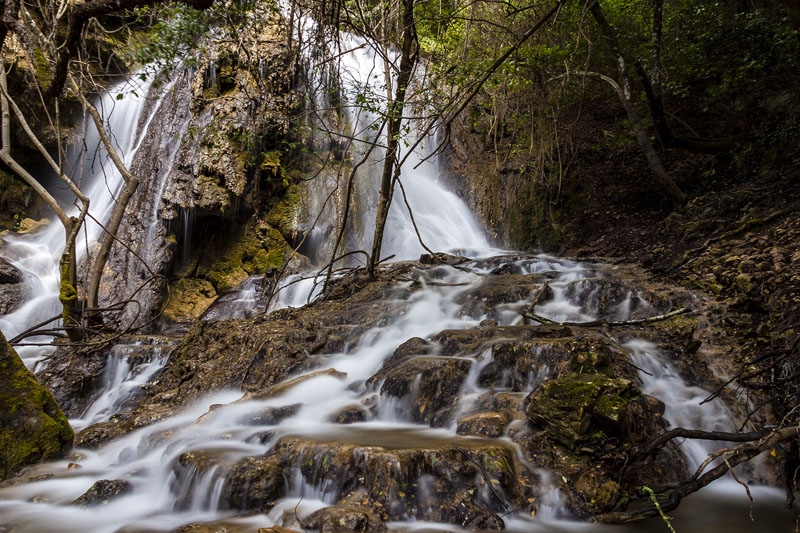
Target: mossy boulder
575,408
32,426
189,298
251,250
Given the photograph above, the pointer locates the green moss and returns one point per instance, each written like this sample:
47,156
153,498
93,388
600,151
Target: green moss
283,216
42,67
32,426
575,408
189,298
250,251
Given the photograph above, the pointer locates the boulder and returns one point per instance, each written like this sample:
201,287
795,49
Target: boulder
345,520
32,426
103,491
430,386
574,408
9,273
254,484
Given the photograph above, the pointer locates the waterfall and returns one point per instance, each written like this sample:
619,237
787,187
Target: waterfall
444,221
37,255
168,490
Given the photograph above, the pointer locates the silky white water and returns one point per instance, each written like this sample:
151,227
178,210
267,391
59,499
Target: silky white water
163,497
147,458
37,255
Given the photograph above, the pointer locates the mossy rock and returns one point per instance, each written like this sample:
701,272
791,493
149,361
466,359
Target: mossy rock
283,216
248,252
189,298
32,426
575,408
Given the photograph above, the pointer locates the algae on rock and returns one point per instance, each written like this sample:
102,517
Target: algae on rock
32,426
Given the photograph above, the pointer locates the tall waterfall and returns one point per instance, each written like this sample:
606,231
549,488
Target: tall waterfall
352,119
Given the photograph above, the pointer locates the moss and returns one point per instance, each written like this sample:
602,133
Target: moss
284,214
67,293
42,67
32,426
575,408
681,326
189,298
250,251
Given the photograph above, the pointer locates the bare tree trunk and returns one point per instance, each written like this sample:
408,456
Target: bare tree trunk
656,75
395,117
665,181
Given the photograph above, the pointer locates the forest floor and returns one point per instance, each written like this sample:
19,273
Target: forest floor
737,240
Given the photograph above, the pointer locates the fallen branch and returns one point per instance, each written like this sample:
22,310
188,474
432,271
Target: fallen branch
683,433
737,455
604,323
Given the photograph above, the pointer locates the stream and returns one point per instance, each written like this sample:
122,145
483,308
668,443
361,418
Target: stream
168,487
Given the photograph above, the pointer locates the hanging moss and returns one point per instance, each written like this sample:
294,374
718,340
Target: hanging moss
32,426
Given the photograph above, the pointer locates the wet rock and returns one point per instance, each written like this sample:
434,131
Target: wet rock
444,483
103,491
345,520
9,273
495,291
349,415
32,426
409,349
253,484
277,529
440,258
10,297
429,386
484,424
574,408
270,416
98,434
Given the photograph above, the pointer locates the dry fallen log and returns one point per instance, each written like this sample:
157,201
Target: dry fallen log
604,323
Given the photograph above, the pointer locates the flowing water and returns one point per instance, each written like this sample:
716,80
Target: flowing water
37,255
165,496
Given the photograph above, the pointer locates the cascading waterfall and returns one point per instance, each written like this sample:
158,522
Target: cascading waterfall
37,255
228,426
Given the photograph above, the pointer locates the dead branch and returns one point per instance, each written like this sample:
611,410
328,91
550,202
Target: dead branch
604,323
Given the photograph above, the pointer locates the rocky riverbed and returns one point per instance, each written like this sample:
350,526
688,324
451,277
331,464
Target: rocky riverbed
421,396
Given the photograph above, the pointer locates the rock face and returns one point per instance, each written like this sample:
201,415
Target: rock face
32,426
10,287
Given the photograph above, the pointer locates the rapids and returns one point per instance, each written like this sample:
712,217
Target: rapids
228,426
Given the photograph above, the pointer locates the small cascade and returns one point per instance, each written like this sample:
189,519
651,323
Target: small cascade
684,403
128,368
